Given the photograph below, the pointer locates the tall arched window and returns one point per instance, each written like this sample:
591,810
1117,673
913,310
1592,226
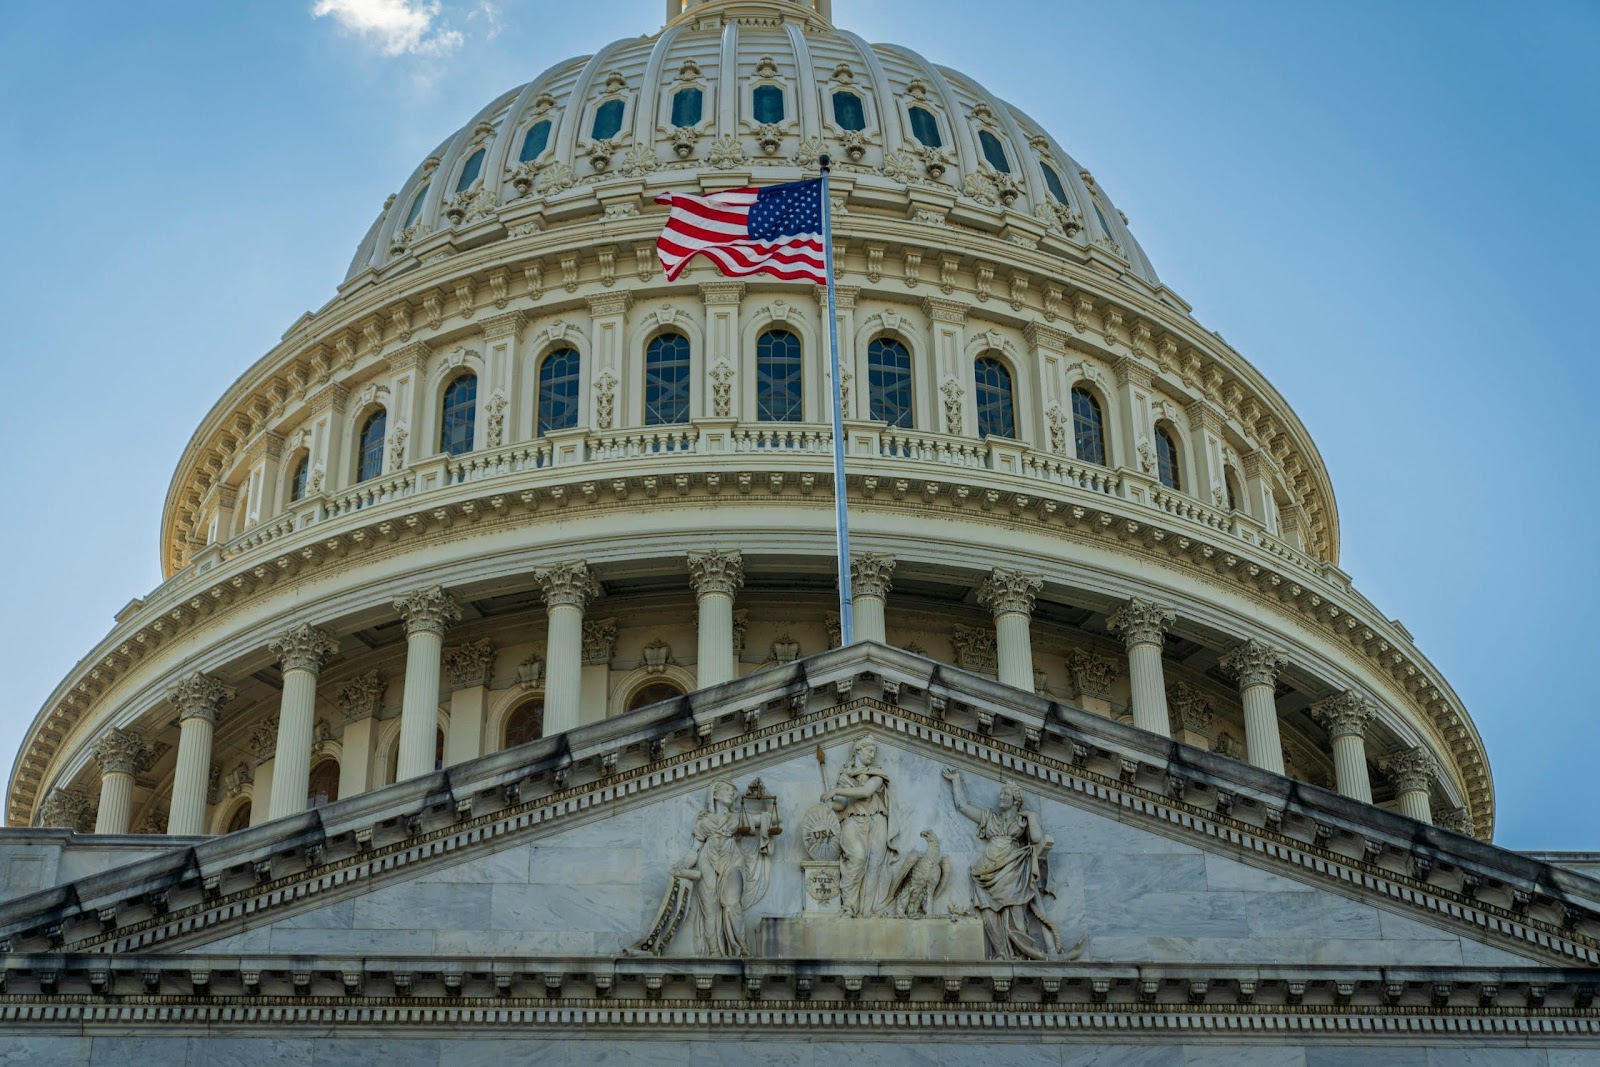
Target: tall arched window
1230,484
889,382
299,480
1052,181
1167,460
994,151
997,413
688,106
470,172
322,787
607,120
925,128
848,113
766,102
779,393
535,141
666,380
1088,427
416,206
460,412
653,693
240,819
369,451
558,391
525,724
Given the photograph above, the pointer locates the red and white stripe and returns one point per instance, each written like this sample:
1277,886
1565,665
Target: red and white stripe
718,227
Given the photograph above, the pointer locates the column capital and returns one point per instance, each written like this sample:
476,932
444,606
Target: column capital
1458,820
1093,673
1141,622
506,324
939,310
361,697
721,292
66,809
1412,770
1006,592
872,574
471,664
428,611
302,648
1345,715
716,572
569,584
616,303
121,752
200,696
1254,663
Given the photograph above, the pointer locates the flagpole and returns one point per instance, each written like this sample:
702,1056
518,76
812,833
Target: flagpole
841,515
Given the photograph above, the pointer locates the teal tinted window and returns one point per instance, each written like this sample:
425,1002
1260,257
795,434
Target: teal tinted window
416,207
470,172
925,128
608,120
558,391
369,453
535,141
1167,460
997,413
666,380
767,102
688,106
889,382
778,388
847,111
1053,181
1088,427
460,412
297,484
994,152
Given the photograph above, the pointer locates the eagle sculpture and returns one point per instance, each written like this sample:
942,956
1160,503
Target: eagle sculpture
920,881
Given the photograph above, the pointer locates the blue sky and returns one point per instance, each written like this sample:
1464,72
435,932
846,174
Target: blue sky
1388,208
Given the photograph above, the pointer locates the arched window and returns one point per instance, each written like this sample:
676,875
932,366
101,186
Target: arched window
1167,460
525,724
779,392
607,120
766,101
994,151
394,755
1052,181
558,391
369,452
1230,484
460,412
323,785
416,206
889,382
535,141
666,380
240,819
299,479
848,113
1088,427
470,172
688,106
925,128
997,413
653,693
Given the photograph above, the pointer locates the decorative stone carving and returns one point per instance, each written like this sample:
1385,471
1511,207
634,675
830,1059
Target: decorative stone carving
555,177
785,649
605,398
496,409
952,405
397,447
530,672
727,153
361,697
717,571
683,139
1141,622
66,809
872,574
741,624
263,741
428,610
1345,715
861,798
1011,879
975,649
121,752
1189,710
1412,770
599,641
302,648
200,696
655,657
470,665
233,782
1010,592
719,880
1458,820
1056,418
567,584
1254,664
639,161
1093,673
722,390
154,822
921,881
476,203
830,623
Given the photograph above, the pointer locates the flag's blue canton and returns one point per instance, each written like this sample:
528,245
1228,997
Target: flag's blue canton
783,210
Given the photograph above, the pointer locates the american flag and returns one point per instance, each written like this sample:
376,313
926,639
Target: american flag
776,230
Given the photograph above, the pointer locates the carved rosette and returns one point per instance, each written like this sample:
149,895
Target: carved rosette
66,809
1010,592
200,696
1188,709
567,585
471,664
1345,715
599,641
1255,664
361,697
1412,771
302,648
871,574
428,611
121,752
716,572
1141,622
1093,673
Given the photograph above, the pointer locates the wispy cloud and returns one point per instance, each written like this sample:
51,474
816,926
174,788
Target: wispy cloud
488,15
398,27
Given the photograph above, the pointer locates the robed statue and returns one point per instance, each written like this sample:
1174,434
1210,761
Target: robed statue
1011,879
867,853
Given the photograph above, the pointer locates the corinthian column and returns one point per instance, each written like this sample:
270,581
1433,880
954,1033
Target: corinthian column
199,698
716,576
1257,666
1144,627
1009,594
1346,717
301,652
568,588
121,755
426,613
1413,772
870,580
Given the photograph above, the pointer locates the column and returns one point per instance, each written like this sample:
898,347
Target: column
720,368
870,581
1413,772
1205,450
948,385
609,376
412,434
1009,594
360,701
1093,675
716,577
426,613
1144,628
199,699
301,652
121,755
1133,415
568,588
500,402
1257,666
1346,717
471,667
